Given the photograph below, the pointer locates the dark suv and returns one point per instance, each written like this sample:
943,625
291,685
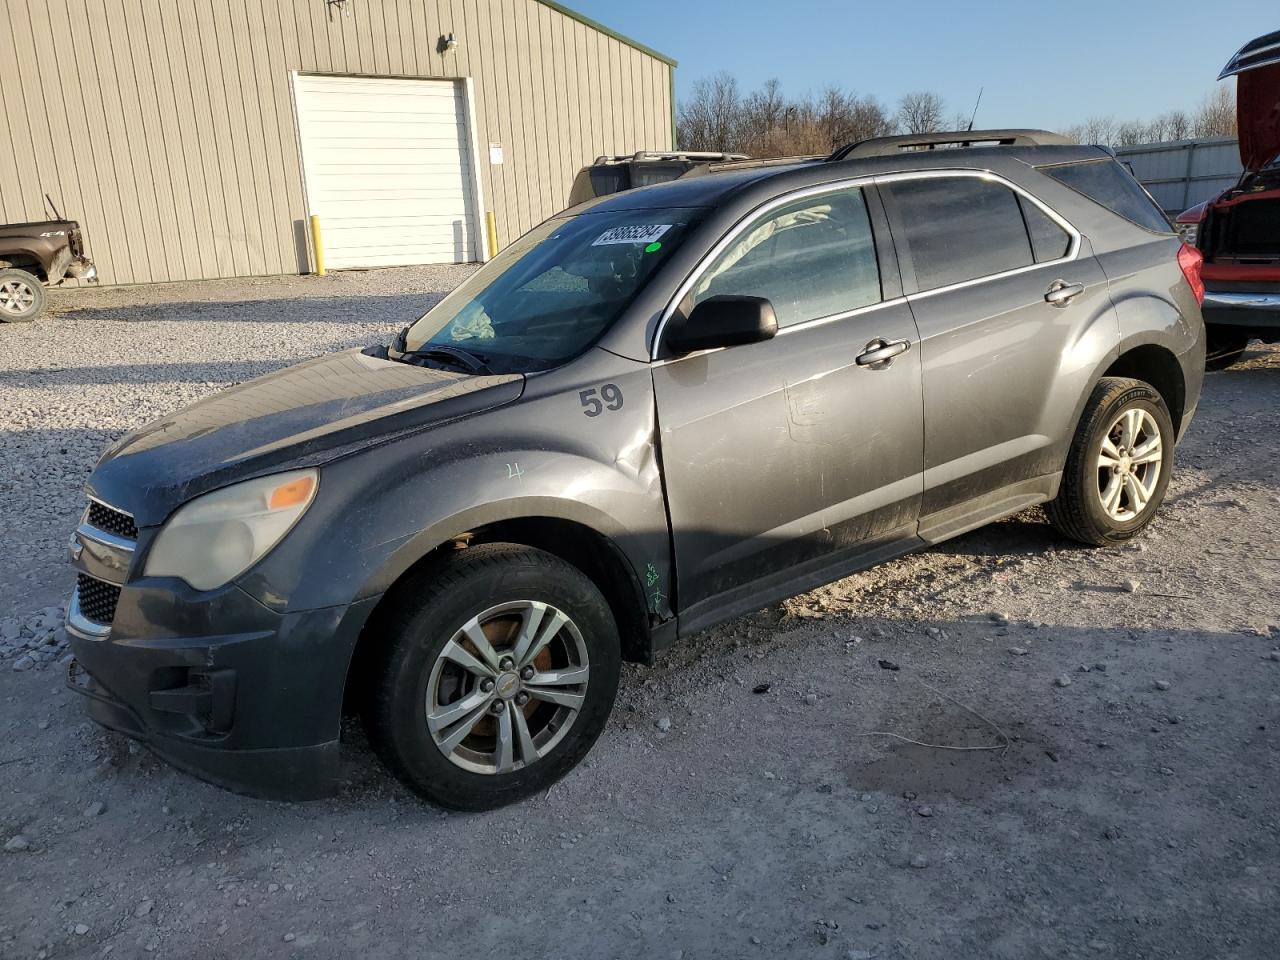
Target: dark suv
645,417
609,175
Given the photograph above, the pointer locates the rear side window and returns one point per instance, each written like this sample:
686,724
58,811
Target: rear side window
960,228
1048,240
1108,183
811,258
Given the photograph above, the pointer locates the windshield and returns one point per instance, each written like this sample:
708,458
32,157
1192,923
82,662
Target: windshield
556,290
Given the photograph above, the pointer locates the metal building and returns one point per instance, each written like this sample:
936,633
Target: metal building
193,138
1181,173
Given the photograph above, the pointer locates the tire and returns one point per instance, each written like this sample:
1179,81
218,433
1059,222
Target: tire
22,296
1079,511
430,683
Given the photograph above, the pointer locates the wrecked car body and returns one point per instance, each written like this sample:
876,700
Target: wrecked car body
650,414
1238,232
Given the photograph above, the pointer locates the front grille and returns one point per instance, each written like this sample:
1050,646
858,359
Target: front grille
97,599
111,520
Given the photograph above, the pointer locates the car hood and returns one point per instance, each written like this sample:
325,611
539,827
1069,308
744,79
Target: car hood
1256,67
300,416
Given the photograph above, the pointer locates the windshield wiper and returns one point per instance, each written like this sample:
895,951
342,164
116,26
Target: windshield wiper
459,357
470,362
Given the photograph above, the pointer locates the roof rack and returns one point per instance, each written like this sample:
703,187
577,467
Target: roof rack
740,163
889,146
670,155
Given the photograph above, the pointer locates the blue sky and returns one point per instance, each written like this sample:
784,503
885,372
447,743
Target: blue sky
1042,63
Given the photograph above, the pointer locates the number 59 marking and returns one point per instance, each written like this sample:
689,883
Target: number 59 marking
610,398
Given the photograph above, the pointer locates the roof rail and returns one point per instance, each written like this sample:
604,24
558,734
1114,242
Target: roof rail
889,146
670,155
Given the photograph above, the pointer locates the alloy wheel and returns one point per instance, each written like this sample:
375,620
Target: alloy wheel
16,297
1129,463
507,686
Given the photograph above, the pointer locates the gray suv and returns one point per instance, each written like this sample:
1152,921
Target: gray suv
649,415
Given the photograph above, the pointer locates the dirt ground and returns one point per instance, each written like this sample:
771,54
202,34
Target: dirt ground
1131,812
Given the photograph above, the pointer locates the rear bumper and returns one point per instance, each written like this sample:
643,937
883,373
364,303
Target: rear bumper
257,710
1235,308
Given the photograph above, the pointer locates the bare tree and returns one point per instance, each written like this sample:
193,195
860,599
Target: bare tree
711,118
921,112
1097,130
765,123
1216,115
1177,126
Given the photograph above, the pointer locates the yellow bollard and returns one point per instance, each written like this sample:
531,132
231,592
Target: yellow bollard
317,245
492,223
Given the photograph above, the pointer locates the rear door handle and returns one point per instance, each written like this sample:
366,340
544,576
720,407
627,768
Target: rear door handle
880,353
1060,293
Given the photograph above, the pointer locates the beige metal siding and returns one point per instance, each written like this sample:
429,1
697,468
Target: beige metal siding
167,127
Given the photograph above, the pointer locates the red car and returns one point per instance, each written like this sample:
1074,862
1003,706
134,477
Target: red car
1239,231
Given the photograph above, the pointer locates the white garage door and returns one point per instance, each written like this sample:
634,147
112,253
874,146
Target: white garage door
388,170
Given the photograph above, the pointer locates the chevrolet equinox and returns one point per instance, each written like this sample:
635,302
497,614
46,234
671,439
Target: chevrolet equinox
650,414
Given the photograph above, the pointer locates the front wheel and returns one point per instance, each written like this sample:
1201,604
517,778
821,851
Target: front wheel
500,673
1118,466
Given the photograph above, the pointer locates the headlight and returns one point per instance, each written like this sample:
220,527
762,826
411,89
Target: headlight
222,534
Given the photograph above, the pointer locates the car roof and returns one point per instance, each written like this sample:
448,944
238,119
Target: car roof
718,187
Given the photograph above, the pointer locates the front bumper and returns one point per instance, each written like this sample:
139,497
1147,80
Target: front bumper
1238,308
256,709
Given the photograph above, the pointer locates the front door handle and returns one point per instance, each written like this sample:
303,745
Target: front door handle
1060,293
880,353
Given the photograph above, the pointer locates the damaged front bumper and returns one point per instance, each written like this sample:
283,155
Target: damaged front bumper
256,710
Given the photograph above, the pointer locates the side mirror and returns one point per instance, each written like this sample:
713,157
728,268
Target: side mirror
723,321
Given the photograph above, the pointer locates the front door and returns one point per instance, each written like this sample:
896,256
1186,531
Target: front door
785,460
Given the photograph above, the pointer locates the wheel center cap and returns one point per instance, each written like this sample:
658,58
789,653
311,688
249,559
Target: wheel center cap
507,685
1125,464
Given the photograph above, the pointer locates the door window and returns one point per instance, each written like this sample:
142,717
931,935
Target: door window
811,258
1048,240
960,228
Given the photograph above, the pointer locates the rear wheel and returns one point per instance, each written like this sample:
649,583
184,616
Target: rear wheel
22,296
1118,466
1224,348
499,676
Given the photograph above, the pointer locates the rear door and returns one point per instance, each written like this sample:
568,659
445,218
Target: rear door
786,459
1002,295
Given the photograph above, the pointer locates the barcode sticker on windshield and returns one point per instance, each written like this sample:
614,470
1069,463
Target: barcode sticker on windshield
639,233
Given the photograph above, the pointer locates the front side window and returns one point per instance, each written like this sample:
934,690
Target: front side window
556,290
960,228
811,258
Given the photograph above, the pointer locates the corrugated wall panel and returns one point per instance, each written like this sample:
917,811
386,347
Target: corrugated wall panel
177,149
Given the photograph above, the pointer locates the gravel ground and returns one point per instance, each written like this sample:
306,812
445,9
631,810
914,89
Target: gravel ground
747,799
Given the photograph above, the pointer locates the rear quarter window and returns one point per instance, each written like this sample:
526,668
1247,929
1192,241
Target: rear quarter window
1111,185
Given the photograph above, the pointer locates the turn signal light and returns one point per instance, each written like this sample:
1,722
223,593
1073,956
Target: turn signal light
292,493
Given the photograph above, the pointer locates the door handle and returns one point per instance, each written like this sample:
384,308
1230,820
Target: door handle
880,353
1061,293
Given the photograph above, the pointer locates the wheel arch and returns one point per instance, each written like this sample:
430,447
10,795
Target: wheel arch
1157,365
27,261
597,554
